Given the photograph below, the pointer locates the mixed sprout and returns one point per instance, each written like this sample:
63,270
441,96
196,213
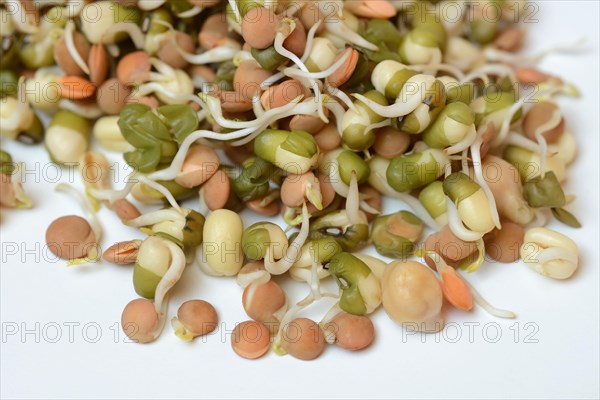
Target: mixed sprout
312,110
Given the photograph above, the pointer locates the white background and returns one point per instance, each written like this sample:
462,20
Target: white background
562,360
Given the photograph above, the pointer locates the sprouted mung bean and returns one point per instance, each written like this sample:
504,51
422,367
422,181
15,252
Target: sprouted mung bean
319,114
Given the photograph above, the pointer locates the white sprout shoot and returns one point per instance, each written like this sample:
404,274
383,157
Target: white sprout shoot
493,54
161,189
69,42
293,251
411,96
291,314
465,143
236,11
132,29
339,28
539,135
218,54
171,171
340,187
338,112
556,253
293,72
464,162
172,275
149,5
156,217
213,105
456,224
340,94
287,27
310,37
14,121
333,312
441,67
483,303
506,121
112,195
89,111
490,69
476,155
16,180
413,203
377,125
259,277
192,12
270,81
517,139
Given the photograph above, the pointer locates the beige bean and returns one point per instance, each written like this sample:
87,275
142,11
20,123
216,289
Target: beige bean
259,27
538,115
352,332
391,142
139,320
250,339
504,244
303,339
70,237
122,253
200,163
98,64
112,96
197,317
134,68
169,54
63,58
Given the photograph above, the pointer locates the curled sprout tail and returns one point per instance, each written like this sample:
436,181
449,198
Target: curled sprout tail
293,251
497,312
